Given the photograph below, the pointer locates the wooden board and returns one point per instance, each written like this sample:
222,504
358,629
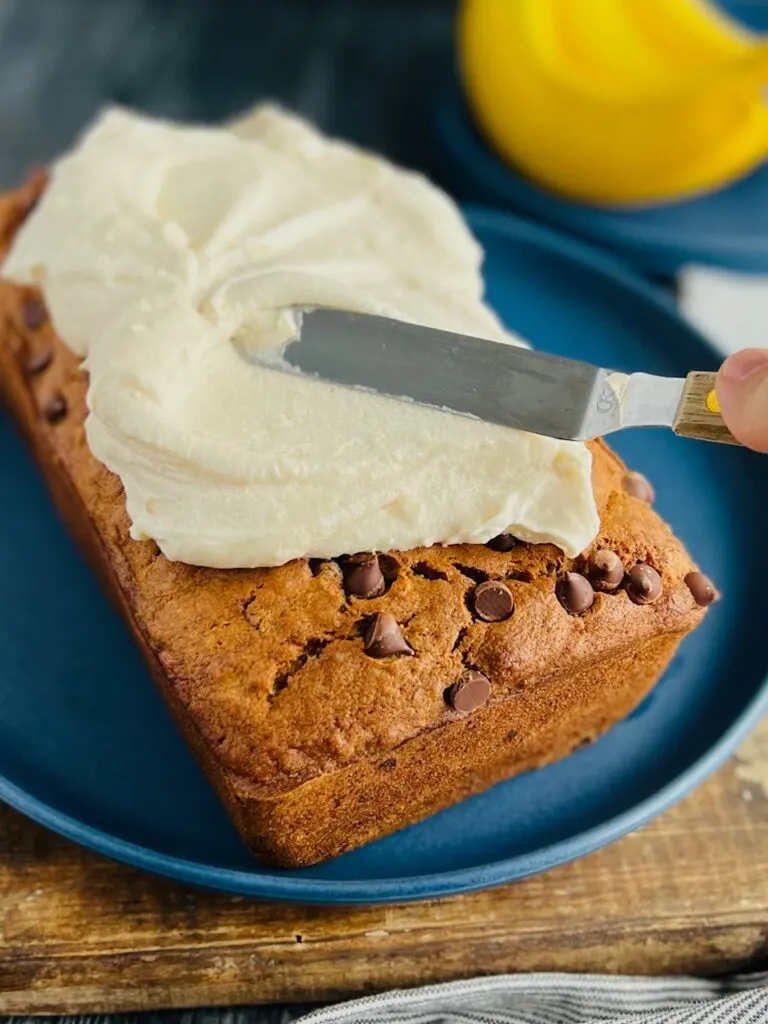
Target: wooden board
688,893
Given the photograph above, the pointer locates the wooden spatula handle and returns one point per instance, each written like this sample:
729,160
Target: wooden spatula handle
699,414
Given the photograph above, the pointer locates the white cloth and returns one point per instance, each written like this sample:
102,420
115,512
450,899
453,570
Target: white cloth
730,309
563,999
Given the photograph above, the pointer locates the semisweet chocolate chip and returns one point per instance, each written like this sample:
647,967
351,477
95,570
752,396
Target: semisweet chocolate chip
383,638
605,570
38,362
55,407
469,693
637,486
504,542
390,567
575,593
34,313
643,584
493,601
701,588
363,576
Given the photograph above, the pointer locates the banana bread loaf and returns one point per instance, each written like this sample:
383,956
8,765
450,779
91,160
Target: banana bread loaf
332,702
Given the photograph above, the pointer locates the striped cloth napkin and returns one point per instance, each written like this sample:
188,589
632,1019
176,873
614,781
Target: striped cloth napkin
732,310
563,999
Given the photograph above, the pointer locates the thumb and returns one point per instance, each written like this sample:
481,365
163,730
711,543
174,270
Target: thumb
742,393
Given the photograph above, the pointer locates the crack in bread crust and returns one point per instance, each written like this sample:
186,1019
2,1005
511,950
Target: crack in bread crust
266,672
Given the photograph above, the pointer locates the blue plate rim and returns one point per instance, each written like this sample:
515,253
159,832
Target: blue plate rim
285,886
648,245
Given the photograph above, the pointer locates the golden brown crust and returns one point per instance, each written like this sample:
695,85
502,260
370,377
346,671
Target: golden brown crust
314,746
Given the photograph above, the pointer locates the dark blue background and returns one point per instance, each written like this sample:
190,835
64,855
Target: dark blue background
364,69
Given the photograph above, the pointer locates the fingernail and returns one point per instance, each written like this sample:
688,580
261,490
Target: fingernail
745,364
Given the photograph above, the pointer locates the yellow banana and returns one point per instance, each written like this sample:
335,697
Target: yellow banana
616,101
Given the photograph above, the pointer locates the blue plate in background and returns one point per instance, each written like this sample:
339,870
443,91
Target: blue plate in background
727,228
88,749
750,14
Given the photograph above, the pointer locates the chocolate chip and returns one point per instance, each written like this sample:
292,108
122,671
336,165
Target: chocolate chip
469,693
493,601
383,638
363,576
34,313
701,588
39,362
605,570
390,567
643,584
637,486
575,593
55,408
315,565
504,542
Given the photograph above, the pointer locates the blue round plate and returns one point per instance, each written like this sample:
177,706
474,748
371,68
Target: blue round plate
727,228
87,748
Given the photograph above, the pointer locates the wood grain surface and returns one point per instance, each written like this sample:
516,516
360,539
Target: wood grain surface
688,893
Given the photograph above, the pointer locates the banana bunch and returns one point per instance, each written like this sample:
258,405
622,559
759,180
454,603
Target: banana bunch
616,101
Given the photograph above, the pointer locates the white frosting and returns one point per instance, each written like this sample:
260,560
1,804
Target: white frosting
156,245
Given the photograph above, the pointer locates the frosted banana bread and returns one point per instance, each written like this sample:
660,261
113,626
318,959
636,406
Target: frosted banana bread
332,700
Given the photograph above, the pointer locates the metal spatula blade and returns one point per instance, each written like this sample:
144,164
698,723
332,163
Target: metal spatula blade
503,384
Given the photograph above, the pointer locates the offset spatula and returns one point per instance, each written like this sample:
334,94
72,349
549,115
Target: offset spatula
504,384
